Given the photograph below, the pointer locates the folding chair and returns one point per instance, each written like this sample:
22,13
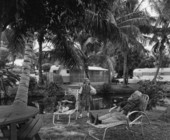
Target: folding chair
126,122
69,112
139,119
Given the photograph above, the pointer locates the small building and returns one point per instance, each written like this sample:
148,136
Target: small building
96,74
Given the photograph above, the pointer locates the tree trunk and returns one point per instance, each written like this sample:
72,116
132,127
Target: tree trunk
125,69
0,35
111,69
41,82
13,61
22,92
158,67
86,70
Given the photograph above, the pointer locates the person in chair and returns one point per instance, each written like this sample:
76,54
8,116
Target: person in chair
120,112
67,102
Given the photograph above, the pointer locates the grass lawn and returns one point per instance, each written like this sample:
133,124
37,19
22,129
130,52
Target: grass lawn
78,130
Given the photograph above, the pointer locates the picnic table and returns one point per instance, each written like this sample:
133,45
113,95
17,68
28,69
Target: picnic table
12,115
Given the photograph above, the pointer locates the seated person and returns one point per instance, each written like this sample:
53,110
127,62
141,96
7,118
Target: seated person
67,102
120,112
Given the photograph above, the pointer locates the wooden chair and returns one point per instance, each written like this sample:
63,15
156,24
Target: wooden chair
69,112
127,122
30,129
26,131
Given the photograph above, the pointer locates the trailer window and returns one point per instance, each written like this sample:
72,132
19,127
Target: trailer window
68,71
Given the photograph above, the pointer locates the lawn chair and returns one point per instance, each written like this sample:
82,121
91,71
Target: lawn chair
127,123
69,112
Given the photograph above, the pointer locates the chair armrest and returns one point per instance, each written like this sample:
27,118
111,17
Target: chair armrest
130,113
112,108
67,101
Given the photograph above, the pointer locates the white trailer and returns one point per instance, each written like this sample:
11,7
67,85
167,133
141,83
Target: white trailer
149,73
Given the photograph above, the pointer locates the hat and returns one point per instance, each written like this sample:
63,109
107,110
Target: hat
136,95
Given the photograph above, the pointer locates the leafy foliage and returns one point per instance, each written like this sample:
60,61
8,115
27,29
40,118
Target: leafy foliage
156,92
54,89
46,67
105,91
7,78
32,84
54,92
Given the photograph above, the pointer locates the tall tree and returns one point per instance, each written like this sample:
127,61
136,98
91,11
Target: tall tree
119,22
160,38
162,31
21,97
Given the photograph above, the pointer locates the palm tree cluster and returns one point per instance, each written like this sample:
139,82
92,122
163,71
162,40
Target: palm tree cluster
82,31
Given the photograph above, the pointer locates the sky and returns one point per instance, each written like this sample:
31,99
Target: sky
146,5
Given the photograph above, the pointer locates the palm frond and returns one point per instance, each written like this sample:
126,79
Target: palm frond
101,26
16,41
66,52
166,10
135,21
130,30
129,16
138,46
110,18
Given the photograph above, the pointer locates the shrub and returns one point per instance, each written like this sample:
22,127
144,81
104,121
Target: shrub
54,92
156,92
46,67
49,103
54,89
106,91
32,84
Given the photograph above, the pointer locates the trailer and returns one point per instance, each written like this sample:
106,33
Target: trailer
149,73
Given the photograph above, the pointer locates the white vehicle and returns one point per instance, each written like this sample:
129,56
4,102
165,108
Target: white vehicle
149,73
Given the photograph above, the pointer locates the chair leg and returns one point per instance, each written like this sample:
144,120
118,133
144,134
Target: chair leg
142,129
90,134
69,118
54,120
76,114
105,132
37,137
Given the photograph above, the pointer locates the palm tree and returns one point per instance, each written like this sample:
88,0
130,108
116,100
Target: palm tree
160,37
9,12
40,39
121,26
158,49
86,44
22,92
105,57
67,52
161,31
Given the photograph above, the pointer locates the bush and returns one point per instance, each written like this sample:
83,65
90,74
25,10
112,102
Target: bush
54,89
54,92
32,84
49,103
156,92
106,91
46,67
